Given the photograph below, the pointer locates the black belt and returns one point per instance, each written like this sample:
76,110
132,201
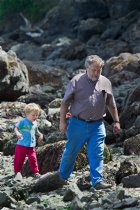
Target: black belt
79,118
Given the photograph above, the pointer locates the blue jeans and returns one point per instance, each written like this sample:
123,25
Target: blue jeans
78,133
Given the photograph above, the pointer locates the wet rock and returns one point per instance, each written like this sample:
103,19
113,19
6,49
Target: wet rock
33,199
14,80
127,202
55,103
69,195
6,200
132,145
127,167
89,27
48,182
49,157
84,183
76,204
131,181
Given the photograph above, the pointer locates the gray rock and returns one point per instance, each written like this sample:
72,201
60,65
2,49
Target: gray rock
76,204
48,182
6,200
131,181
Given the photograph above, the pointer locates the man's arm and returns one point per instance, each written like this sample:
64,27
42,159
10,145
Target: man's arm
63,121
114,113
66,102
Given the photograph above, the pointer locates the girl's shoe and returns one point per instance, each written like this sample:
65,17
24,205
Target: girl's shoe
37,175
18,177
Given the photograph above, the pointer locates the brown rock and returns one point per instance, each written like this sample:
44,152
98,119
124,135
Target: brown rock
132,145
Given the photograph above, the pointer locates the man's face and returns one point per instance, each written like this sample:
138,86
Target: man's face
94,71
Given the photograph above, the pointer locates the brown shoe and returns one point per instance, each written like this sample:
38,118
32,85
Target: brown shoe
63,181
102,186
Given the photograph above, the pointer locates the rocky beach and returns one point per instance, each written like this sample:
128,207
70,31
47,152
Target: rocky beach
36,62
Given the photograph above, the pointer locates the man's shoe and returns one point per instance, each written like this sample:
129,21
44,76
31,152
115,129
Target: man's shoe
102,186
63,181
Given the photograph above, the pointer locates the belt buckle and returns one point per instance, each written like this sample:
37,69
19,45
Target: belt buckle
88,120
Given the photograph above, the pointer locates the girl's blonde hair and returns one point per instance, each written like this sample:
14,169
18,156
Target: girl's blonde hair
32,107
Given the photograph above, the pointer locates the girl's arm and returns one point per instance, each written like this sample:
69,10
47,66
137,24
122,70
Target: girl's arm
19,135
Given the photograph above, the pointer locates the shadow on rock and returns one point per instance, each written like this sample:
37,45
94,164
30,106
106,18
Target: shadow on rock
48,182
132,181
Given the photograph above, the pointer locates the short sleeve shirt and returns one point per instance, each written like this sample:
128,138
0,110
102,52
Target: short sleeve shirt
88,99
28,131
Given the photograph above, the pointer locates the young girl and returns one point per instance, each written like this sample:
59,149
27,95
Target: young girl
26,131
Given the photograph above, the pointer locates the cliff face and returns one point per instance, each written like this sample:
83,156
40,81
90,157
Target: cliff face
68,15
99,23
75,16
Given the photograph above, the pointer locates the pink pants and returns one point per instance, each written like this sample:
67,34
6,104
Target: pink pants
20,154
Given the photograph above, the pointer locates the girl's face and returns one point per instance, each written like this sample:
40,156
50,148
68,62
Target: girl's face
32,116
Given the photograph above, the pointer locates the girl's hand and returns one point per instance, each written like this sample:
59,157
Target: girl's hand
40,138
19,135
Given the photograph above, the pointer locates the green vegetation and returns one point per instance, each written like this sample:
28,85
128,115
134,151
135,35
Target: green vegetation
45,202
35,10
107,154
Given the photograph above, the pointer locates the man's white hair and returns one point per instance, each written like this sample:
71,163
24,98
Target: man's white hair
93,58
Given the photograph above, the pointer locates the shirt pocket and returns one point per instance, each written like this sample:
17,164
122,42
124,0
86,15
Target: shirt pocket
98,97
104,93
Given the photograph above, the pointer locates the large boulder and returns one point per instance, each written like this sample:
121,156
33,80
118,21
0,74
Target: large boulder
127,167
132,145
49,157
123,62
131,111
68,14
89,27
131,181
48,182
14,80
120,8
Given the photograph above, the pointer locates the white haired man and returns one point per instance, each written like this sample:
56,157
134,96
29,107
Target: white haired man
88,94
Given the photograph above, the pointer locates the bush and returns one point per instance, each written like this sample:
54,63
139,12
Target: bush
33,9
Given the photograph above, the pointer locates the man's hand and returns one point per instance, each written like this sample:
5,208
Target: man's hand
63,126
116,128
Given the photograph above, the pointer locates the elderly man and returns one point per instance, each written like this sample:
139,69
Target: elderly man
87,94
